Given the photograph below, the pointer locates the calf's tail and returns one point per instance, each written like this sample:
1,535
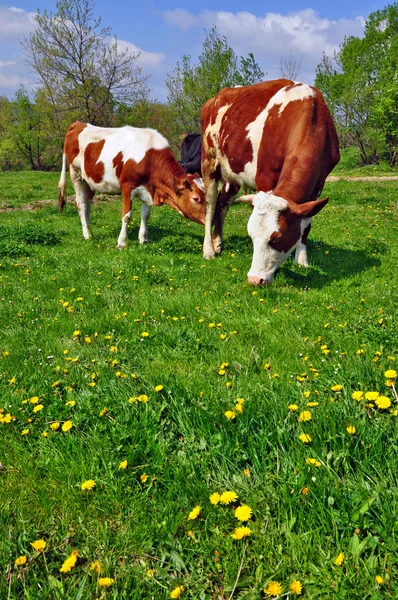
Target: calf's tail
62,185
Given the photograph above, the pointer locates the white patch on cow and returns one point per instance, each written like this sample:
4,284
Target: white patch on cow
301,257
142,194
132,142
213,130
262,223
255,129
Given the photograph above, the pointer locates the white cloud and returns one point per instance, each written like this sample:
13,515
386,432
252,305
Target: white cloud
15,23
304,33
146,59
6,63
181,18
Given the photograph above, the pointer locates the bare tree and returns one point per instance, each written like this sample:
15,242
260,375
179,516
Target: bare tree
81,68
290,66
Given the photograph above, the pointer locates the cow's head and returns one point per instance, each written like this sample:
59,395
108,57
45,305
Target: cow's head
275,227
189,198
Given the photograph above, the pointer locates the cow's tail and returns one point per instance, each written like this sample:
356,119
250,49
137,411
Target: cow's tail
62,185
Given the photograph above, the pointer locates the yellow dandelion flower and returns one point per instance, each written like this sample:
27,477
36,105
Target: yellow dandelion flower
34,399
379,579
222,372
113,349
230,414
228,384
89,484
70,403
194,513
390,374
177,591
95,566
371,396
305,415
305,438
70,562
87,339
357,396
336,388
39,545
351,429
77,333
144,334
383,402
339,559
296,587
67,426
54,426
243,513
238,408
25,432
150,572
241,532
159,388
103,411
123,464
143,398
273,588
105,582
38,408
20,561
312,404
307,394
267,366
293,407
228,497
132,400
305,491
144,478
45,434
215,498
313,461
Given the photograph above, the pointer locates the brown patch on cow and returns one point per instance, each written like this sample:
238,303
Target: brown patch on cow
118,163
71,146
289,232
94,169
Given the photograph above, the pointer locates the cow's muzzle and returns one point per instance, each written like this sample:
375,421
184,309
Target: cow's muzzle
260,279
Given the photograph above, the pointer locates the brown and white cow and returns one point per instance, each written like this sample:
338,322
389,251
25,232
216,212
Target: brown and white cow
277,137
132,161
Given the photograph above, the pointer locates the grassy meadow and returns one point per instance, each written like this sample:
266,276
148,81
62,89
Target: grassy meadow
155,380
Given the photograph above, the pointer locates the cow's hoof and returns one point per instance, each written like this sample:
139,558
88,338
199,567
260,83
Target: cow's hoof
121,246
209,255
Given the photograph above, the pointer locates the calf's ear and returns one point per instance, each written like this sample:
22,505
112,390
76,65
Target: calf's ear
308,209
248,198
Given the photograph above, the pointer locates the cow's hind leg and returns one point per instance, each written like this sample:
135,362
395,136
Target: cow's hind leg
84,196
126,216
224,201
301,257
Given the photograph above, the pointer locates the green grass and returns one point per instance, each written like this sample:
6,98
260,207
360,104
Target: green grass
53,283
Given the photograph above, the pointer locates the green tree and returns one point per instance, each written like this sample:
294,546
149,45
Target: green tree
360,84
81,69
191,84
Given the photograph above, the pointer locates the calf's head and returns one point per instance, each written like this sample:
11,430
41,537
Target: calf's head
189,198
275,227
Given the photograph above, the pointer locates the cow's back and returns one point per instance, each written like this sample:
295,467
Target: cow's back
258,134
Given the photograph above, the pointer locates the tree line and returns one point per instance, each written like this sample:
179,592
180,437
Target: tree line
83,73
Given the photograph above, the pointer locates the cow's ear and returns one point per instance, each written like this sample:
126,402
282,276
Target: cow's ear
308,209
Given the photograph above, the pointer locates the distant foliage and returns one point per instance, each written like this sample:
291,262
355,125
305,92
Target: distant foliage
191,84
360,84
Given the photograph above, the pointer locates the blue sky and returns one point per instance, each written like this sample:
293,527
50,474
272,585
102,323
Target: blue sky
165,30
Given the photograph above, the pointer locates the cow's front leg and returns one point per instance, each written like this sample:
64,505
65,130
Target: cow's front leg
83,199
301,257
224,201
211,201
126,217
143,232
